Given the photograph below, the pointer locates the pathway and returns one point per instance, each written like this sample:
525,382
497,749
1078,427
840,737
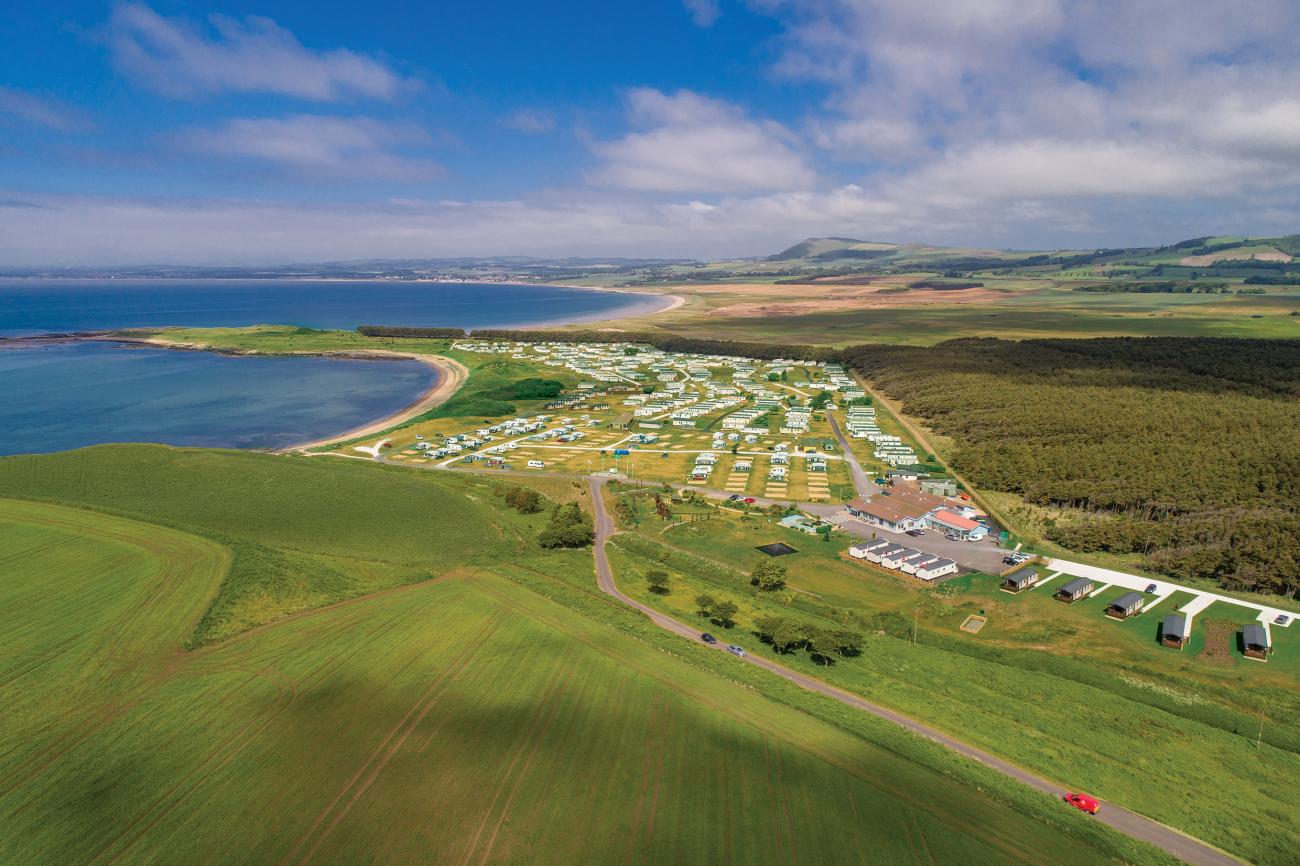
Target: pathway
1132,824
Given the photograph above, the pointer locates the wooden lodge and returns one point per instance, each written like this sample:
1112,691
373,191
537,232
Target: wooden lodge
1127,605
1173,631
1020,579
1255,642
1076,589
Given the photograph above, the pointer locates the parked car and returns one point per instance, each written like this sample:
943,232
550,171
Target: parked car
1151,587
1282,619
708,638
749,500
733,497
1083,803
916,533
735,650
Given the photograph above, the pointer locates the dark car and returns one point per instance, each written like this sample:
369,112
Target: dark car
916,533
733,497
1282,619
1151,587
708,638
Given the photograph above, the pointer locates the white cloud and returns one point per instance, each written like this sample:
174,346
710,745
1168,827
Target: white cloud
858,138
533,121
41,111
703,12
1046,168
176,58
695,144
345,148
953,105
62,230
67,230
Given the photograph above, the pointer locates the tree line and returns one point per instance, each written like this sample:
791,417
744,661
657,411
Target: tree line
661,341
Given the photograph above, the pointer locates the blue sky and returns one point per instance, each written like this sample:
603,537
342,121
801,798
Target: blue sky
236,132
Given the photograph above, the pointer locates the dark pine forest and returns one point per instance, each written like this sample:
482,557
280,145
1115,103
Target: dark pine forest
1183,450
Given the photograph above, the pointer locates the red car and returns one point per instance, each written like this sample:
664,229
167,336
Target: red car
749,500
1083,803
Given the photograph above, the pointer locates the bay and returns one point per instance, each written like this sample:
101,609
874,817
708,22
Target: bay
68,395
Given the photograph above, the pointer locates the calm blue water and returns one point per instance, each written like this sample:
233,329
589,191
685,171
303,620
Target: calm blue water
66,396
43,306
74,394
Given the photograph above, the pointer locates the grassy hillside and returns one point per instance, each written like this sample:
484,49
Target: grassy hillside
303,532
498,712
1169,734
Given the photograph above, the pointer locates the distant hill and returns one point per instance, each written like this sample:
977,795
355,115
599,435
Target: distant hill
825,249
853,254
1266,260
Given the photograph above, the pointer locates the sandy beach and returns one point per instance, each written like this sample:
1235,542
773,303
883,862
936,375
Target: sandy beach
451,375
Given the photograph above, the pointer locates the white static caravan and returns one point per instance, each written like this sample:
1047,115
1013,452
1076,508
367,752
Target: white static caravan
863,550
914,565
937,569
880,553
895,558
907,564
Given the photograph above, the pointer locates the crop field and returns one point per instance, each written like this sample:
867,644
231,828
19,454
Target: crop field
461,719
1015,308
1159,730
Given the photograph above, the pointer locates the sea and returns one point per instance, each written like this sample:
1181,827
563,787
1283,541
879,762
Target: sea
68,395
34,306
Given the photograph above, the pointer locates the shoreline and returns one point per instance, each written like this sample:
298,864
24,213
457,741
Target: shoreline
451,375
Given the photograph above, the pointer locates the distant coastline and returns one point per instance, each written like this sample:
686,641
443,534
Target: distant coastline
37,307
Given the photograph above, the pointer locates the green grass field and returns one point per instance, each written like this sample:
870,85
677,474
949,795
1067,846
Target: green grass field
1155,729
495,711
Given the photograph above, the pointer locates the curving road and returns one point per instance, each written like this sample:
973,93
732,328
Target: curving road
1132,824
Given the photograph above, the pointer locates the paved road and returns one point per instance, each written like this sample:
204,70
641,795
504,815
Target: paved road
1130,823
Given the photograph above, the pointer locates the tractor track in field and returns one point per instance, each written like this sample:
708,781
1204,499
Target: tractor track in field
561,679
216,760
370,769
651,767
